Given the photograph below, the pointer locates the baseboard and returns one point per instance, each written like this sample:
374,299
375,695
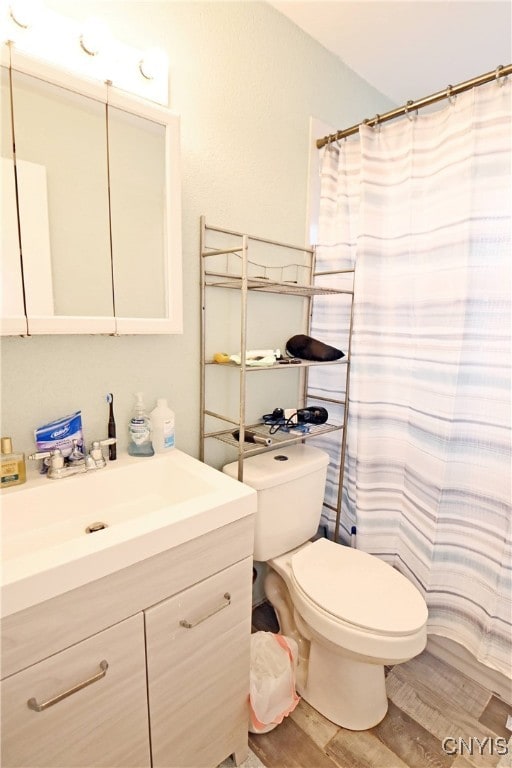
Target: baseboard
460,658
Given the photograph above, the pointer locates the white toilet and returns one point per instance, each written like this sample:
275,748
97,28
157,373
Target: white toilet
350,612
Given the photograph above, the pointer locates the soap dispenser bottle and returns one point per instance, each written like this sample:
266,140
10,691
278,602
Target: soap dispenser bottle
162,426
139,430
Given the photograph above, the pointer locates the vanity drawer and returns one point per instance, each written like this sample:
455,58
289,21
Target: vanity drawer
198,647
104,722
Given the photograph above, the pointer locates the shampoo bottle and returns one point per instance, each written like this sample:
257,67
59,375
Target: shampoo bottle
13,465
162,426
139,430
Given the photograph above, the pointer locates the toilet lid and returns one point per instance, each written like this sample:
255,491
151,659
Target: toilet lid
358,588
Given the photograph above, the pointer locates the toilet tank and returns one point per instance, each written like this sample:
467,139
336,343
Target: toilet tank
290,483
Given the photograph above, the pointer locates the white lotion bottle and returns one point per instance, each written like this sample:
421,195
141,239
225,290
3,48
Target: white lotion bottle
162,426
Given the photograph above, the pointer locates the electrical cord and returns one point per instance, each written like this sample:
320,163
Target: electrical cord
276,420
284,424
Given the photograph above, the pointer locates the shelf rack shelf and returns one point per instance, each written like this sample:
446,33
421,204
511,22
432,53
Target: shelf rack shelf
227,262
279,438
222,280
276,366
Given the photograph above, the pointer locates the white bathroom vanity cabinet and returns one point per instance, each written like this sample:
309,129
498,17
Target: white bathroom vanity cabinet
147,666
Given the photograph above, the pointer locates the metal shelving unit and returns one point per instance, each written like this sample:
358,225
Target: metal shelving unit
234,267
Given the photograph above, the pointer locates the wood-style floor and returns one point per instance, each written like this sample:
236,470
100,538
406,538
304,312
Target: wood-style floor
429,701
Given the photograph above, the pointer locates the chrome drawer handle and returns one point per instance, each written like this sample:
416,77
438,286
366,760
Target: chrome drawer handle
190,625
32,703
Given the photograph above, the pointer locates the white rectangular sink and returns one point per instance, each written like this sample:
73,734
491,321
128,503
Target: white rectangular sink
147,504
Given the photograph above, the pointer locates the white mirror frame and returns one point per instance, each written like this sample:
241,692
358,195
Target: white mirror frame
36,254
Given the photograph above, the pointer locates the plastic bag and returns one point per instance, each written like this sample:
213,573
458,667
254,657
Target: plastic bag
272,680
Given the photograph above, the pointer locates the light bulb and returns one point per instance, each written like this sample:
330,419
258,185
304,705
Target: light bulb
94,37
25,12
153,63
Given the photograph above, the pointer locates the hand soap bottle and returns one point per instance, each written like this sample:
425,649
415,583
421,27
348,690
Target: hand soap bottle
13,465
139,431
162,426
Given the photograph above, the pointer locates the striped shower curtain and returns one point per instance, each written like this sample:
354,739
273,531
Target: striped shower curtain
421,208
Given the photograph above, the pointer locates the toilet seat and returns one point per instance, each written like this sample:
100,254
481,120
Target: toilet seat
357,589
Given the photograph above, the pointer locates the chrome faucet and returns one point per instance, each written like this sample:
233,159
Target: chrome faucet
77,462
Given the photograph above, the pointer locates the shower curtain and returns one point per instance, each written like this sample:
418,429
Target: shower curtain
421,208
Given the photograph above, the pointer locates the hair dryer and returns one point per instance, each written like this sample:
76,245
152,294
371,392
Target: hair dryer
314,415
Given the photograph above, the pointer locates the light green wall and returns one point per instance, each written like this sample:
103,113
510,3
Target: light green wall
245,81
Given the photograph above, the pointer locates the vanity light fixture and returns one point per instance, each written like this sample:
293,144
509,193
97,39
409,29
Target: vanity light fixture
153,63
94,36
85,49
25,12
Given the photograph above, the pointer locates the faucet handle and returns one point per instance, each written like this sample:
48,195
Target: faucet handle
97,445
39,455
96,453
53,459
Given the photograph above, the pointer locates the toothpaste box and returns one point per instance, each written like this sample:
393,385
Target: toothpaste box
60,434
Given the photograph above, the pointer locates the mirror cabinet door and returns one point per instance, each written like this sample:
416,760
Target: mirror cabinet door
62,176
145,200
12,309
136,148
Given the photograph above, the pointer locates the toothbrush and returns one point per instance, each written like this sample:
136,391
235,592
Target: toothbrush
112,449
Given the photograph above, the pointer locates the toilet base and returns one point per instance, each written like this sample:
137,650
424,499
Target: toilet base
350,693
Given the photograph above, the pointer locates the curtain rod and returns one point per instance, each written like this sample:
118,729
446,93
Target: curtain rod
411,106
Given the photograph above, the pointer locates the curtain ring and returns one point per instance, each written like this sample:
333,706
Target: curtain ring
377,123
499,77
452,97
406,110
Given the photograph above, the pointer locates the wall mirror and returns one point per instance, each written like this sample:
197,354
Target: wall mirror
97,191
